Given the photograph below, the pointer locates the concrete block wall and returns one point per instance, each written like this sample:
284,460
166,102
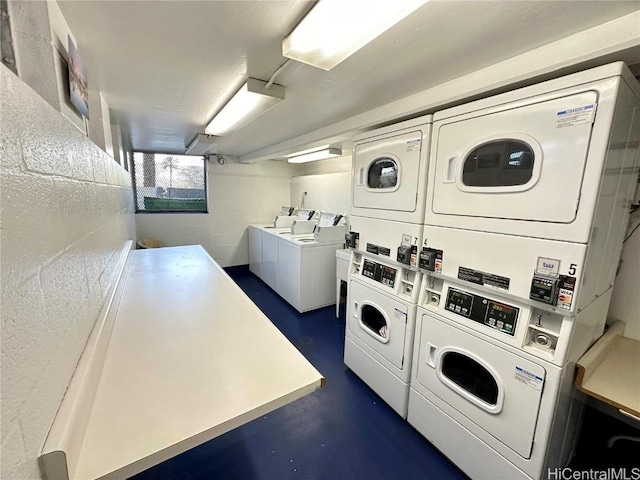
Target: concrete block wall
327,183
327,192
66,213
238,195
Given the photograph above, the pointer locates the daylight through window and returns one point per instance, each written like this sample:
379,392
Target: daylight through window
167,183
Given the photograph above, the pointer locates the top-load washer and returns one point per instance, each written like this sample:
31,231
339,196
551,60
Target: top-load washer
389,178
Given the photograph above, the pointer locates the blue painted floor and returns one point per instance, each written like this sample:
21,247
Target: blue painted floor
342,431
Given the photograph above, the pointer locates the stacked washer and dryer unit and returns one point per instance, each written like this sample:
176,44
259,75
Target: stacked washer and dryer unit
527,203
386,222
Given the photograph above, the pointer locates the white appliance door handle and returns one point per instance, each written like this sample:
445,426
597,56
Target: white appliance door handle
361,176
449,173
431,355
355,309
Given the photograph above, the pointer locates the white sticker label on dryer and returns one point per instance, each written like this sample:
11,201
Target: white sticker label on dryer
529,378
548,266
400,314
576,116
414,145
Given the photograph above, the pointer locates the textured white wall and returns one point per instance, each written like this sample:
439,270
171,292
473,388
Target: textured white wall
66,211
327,192
626,290
327,183
32,45
239,195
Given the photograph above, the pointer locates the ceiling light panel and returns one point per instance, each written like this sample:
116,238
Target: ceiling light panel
335,29
251,101
317,155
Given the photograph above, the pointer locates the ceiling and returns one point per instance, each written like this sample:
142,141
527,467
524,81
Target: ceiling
165,67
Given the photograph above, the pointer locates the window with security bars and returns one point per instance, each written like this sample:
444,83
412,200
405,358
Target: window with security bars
167,183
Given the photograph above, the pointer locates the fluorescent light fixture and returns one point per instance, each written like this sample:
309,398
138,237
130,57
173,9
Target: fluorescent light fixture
335,29
251,101
308,150
317,155
201,144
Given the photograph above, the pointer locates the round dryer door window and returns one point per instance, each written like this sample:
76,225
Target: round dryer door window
500,163
470,376
382,173
373,319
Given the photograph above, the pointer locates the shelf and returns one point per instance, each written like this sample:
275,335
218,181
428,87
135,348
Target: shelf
608,371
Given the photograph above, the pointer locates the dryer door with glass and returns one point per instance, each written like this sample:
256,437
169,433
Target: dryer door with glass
378,322
520,164
494,388
387,171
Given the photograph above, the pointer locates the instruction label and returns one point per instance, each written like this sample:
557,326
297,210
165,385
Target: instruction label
576,116
483,278
528,378
414,145
378,250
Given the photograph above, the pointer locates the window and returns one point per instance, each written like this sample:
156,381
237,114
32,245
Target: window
500,163
383,173
166,183
374,320
470,376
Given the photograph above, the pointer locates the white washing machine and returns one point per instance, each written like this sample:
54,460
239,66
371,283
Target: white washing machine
496,410
389,179
380,320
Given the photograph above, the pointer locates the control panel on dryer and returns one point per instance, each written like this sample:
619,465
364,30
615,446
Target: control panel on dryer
380,273
497,315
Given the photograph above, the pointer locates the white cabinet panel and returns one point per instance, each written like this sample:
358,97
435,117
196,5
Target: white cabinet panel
270,259
289,273
255,250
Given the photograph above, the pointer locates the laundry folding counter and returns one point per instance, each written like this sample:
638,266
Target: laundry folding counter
179,356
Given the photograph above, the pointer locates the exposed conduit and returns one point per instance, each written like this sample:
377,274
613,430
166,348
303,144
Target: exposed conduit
277,72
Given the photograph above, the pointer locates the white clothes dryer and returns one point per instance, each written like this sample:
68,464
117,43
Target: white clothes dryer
380,324
496,410
554,160
389,171
529,194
